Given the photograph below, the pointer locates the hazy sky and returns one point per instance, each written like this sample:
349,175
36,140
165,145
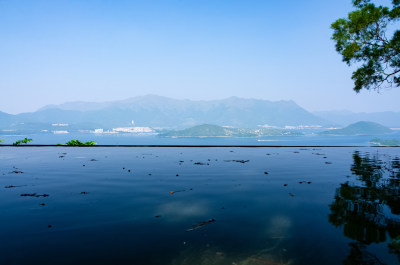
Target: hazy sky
57,51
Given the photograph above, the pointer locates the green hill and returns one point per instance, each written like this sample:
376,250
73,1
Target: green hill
207,130
384,142
200,130
360,128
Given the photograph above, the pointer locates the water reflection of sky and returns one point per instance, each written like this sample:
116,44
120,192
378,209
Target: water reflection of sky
135,205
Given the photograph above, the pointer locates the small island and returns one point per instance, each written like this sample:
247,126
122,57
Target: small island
360,128
384,142
208,130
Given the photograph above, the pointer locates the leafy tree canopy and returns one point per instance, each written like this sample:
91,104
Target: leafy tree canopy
363,38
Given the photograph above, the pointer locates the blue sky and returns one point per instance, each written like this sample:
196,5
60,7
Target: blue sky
57,51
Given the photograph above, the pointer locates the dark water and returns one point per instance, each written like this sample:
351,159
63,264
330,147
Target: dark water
199,205
130,139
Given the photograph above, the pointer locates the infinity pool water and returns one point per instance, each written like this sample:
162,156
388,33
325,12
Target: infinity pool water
198,206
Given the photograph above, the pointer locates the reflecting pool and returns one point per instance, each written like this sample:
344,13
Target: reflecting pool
199,206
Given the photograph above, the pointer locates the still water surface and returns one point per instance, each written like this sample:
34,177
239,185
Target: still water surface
178,206
131,139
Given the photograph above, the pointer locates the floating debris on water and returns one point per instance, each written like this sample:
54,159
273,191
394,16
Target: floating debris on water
16,172
201,224
42,195
34,195
241,161
308,182
28,194
175,191
12,186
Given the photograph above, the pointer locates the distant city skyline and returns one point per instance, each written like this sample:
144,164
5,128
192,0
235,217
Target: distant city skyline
54,52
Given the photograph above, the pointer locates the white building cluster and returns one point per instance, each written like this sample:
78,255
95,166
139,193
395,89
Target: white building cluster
135,130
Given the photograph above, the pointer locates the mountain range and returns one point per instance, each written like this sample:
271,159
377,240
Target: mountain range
156,111
162,112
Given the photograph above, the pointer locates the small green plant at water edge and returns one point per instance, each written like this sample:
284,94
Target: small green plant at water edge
77,142
25,141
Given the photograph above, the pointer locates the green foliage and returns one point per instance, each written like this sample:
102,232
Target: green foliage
362,38
77,142
1,141
25,141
